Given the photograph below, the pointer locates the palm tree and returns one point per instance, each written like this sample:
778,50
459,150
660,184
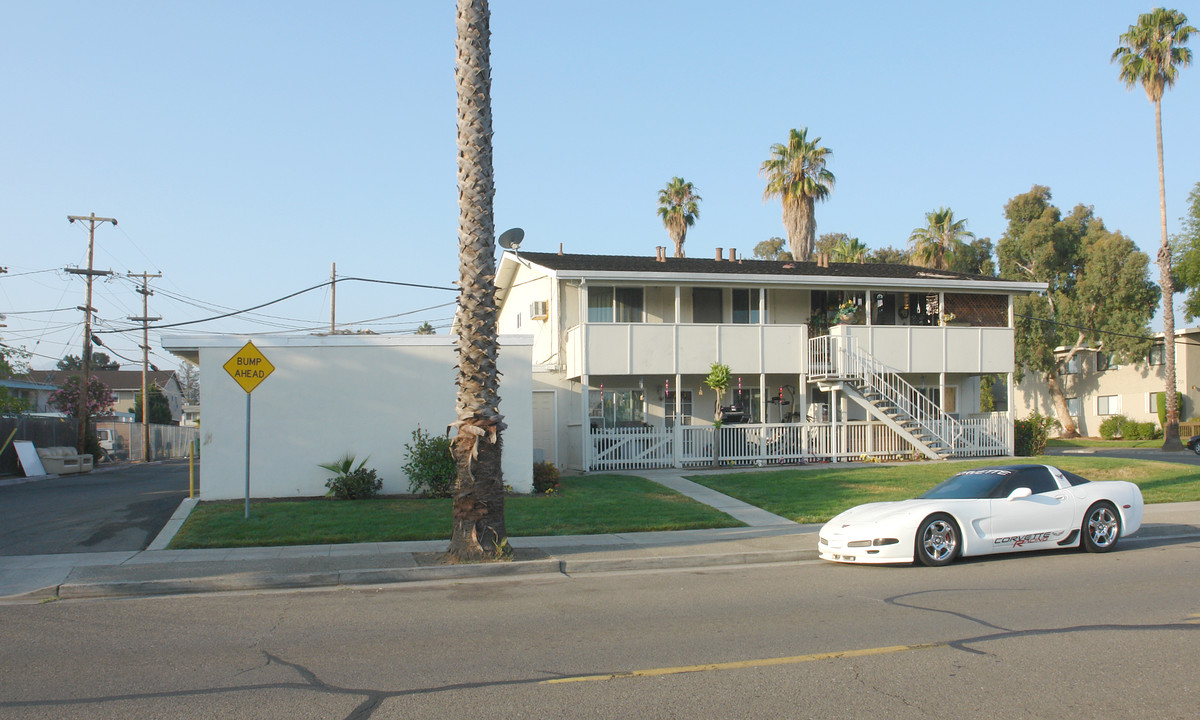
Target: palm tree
678,206
478,506
1150,54
934,245
796,174
849,250
425,329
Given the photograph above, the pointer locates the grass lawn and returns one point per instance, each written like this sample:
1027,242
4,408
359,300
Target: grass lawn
1100,443
586,505
815,495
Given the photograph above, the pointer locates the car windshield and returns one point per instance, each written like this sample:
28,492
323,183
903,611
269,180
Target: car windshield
969,485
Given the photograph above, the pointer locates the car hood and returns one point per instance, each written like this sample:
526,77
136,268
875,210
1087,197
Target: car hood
886,511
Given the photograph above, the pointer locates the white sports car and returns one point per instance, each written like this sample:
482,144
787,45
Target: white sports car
984,511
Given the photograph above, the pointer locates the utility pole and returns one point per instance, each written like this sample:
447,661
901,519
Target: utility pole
87,309
145,320
332,298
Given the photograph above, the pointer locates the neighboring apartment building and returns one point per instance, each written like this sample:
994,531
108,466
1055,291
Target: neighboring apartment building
1097,387
35,395
828,360
125,386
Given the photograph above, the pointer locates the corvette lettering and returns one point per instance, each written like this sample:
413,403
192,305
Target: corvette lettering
1022,540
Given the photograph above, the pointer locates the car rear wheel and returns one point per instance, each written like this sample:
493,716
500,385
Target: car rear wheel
938,541
1194,445
1101,528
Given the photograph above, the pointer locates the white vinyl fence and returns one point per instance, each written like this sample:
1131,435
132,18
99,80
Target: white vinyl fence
166,441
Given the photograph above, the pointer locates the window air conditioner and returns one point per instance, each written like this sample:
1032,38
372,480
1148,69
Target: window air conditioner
538,310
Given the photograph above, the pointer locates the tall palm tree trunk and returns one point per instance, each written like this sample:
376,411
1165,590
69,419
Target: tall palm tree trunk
1171,430
478,506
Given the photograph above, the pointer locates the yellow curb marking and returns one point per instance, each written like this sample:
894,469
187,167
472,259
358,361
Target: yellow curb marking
1195,618
742,664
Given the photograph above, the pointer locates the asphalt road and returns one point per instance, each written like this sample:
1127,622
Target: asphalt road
119,509
1056,634
1185,457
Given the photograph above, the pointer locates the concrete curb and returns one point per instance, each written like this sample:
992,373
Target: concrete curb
167,534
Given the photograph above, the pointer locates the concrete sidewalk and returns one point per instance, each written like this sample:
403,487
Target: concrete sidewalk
767,538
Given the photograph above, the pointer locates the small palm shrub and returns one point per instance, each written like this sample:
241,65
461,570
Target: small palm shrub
350,481
546,478
429,465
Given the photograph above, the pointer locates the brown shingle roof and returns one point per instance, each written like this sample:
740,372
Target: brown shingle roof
647,264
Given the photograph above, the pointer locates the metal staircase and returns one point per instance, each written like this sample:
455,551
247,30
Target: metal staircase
836,361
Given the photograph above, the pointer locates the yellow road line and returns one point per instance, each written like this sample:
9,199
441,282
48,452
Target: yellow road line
742,664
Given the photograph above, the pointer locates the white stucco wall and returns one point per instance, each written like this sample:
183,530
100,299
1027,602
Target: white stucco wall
329,396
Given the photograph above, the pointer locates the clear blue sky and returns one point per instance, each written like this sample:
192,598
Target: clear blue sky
243,147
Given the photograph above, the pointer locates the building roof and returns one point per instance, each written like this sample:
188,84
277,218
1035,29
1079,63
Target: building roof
114,379
645,267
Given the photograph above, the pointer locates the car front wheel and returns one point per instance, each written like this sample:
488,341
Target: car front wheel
1101,528
1194,445
938,541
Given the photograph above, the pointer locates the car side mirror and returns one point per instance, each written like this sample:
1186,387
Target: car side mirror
1021,492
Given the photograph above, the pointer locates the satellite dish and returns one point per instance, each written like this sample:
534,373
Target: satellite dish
511,239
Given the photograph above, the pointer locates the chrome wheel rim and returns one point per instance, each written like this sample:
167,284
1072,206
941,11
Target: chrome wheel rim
1103,527
939,540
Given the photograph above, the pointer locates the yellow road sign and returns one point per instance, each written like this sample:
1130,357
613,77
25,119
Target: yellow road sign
248,367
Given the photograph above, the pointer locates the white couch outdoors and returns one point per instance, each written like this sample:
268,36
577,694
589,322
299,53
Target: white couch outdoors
64,460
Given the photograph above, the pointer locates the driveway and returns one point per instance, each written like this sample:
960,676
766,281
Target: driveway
1185,457
105,510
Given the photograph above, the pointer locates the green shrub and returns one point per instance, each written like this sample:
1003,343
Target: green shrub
1141,431
546,478
1160,400
1031,434
1114,427
429,465
351,482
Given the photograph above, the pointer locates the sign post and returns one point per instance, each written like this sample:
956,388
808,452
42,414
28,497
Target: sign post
248,367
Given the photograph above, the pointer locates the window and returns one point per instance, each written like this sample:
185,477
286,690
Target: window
1074,365
1038,480
616,408
746,401
1106,361
609,304
685,402
1158,354
745,306
1074,409
1108,404
706,305
1152,400
600,304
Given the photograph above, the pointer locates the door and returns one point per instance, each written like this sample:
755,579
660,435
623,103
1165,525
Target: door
545,426
1038,521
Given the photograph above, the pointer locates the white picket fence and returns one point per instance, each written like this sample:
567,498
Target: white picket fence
761,444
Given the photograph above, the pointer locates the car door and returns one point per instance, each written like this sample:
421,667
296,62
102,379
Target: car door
1034,521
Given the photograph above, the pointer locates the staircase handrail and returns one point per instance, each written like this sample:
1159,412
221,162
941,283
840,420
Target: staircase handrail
846,360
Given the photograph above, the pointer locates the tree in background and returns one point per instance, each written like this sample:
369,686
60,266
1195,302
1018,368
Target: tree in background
1098,294
826,242
189,383
425,329
974,258
66,398
13,361
479,531
1150,54
1186,249
797,175
849,250
678,206
100,361
160,408
773,249
936,244
889,256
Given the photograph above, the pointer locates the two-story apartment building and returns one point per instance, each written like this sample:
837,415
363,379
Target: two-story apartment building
828,361
1096,386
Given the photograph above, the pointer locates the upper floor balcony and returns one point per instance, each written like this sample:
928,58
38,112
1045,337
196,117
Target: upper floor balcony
674,348
674,330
